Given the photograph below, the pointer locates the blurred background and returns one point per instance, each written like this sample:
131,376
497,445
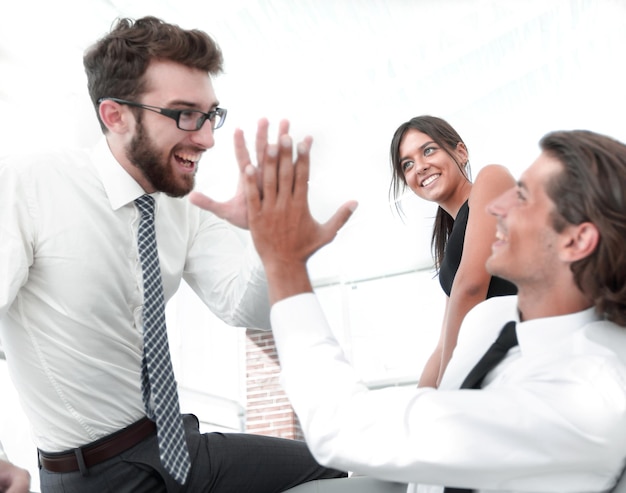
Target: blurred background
347,72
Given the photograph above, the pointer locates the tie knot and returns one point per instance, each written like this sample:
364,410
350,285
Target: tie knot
508,337
145,204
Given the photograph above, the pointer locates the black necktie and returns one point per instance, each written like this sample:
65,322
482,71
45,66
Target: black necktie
496,353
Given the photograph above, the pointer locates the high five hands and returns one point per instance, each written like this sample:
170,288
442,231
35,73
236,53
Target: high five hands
284,232
234,210
272,201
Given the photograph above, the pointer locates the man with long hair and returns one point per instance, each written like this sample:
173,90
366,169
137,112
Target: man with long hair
534,398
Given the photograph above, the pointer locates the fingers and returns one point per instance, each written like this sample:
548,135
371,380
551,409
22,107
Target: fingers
283,128
285,170
262,136
253,195
282,177
261,144
279,170
261,140
301,183
241,151
270,172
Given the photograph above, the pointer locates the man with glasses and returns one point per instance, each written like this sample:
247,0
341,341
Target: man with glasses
92,245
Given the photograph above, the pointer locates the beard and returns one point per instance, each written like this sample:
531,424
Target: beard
145,155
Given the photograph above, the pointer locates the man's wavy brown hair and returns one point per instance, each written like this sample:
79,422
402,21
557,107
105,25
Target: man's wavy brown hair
116,64
592,188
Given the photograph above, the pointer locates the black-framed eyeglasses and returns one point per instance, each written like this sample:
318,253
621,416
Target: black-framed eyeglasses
188,120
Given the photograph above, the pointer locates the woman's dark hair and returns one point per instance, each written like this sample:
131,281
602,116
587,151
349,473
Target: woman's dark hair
592,188
115,65
444,135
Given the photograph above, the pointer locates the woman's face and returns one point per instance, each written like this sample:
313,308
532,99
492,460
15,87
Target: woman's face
429,170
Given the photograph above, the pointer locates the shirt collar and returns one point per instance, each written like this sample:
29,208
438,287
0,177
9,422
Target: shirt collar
539,334
120,187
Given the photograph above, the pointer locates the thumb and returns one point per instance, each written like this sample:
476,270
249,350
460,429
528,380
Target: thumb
340,217
200,200
220,209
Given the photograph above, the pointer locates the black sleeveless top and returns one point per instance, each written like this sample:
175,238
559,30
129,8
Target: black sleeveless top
452,259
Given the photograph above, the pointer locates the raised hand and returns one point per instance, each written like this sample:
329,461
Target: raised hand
285,233
234,210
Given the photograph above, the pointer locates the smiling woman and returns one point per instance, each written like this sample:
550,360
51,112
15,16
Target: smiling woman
429,157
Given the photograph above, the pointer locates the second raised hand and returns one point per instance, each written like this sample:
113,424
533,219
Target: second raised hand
285,233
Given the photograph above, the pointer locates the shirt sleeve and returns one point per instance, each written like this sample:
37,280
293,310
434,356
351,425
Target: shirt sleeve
16,235
225,271
536,433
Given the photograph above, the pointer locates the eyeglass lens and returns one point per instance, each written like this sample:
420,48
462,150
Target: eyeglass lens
193,120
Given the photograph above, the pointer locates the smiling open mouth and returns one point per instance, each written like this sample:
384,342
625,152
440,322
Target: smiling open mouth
187,160
429,180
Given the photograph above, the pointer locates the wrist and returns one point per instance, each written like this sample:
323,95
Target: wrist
286,279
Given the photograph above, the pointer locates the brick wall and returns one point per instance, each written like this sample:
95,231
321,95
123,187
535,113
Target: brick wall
268,411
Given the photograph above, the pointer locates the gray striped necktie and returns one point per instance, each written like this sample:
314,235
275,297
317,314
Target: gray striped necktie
158,385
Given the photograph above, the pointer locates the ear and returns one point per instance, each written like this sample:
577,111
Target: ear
115,116
461,151
580,241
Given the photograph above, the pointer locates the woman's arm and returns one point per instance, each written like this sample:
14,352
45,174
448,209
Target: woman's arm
430,373
471,281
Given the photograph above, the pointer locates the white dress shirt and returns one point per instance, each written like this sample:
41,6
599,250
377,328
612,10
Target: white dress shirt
550,418
71,290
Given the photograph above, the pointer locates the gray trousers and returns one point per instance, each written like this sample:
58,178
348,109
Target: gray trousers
221,463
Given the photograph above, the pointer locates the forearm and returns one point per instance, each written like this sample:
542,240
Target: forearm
430,373
462,300
235,272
